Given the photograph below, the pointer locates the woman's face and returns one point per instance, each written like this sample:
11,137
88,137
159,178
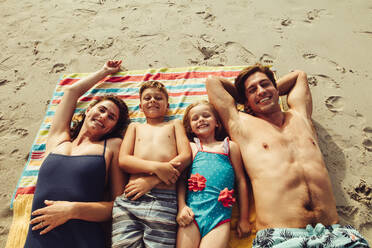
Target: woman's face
102,117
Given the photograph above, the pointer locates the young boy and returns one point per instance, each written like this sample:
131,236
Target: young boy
153,153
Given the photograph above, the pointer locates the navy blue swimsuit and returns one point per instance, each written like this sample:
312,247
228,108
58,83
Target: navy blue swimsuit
70,178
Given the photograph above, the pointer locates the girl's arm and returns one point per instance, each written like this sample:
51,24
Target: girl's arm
243,227
60,127
185,214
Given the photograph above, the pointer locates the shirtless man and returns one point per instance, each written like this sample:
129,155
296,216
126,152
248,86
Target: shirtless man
152,153
293,195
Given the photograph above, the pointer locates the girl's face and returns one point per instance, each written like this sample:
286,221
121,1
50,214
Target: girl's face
202,121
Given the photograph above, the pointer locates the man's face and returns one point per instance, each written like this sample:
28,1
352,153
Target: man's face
154,103
262,96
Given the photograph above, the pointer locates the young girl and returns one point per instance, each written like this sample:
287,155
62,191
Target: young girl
204,212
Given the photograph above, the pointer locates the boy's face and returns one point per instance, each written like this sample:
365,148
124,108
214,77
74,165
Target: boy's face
154,103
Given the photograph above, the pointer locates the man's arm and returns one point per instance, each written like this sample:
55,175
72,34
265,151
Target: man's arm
134,165
218,90
295,85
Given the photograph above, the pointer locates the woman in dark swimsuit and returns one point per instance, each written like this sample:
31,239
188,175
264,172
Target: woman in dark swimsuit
69,197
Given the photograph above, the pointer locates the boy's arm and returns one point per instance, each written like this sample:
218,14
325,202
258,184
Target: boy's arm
134,165
296,86
243,227
218,90
183,147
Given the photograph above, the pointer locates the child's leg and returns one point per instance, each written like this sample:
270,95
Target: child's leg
188,236
127,231
160,227
217,238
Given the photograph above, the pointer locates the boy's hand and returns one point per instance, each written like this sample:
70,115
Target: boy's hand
138,187
185,216
112,66
243,228
167,173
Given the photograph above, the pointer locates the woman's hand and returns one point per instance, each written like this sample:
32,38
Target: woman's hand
112,66
185,216
54,214
138,187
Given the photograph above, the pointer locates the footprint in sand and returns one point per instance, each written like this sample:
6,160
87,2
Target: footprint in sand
78,12
367,142
312,56
362,193
267,59
286,22
335,103
309,56
20,131
3,82
347,211
59,67
239,51
316,79
313,15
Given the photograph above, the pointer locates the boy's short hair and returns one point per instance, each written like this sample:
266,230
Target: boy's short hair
153,84
246,72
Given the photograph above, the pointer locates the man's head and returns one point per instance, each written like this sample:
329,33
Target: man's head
153,99
257,89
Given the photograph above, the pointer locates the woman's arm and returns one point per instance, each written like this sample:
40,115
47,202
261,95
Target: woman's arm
60,127
57,213
118,178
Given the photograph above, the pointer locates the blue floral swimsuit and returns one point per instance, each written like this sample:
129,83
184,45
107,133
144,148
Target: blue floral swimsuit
211,188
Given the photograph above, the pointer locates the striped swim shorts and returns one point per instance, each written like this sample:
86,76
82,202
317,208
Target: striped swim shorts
318,236
147,222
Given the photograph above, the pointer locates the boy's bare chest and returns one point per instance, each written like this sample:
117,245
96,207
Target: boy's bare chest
156,143
155,134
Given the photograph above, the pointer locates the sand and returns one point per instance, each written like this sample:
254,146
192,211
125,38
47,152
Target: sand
330,40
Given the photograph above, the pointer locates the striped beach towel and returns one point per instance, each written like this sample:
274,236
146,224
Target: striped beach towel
184,85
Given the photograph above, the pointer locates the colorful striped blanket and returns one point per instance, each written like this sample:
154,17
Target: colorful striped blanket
184,85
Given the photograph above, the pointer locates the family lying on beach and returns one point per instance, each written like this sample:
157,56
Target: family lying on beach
173,183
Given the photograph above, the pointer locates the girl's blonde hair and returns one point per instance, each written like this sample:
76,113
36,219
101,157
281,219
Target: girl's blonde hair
220,132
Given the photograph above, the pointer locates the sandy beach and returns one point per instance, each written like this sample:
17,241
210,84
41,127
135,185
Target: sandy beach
330,40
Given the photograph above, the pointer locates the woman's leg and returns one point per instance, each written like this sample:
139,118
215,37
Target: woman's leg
217,238
188,236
